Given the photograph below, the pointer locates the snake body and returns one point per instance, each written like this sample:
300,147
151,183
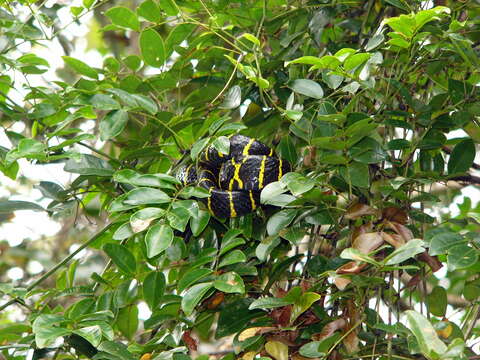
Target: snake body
235,181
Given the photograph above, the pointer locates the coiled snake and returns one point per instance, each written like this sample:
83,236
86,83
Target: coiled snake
235,181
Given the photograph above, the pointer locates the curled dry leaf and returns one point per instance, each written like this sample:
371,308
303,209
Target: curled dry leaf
358,210
401,230
365,228
329,329
431,261
395,214
393,239
351,267
366,243
341,282
310,154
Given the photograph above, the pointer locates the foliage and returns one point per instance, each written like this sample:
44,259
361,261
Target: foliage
374,103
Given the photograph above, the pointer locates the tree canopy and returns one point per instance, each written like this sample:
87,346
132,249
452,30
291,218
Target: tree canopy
356,253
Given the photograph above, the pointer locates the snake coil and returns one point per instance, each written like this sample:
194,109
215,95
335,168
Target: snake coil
235,181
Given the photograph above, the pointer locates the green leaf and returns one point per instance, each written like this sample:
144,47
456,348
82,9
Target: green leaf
129,176
89,165
222,144
441,242
437,301
235,317
153,288
356,255
80,67
355,60
280,220
123,17
233,257
122,257
229,282
307,87
251,38
461,158
297,184
152,48
169,7
198,147
123,232
233,98
193,296
461,256
146,103
269,303
277,349
127,320
199,222
191,277
141,220
91,333
45,329
116,349
104,102
113,124
178,218
9,206
427,338
303,304
356,174
144,195
230,241
159,237
273,194
150,11
404,252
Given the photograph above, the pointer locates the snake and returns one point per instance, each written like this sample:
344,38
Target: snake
234,180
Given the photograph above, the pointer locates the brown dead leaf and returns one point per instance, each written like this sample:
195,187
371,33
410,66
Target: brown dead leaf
329,329
393,239
358,210
366,243
351,342
351,267
362,229
281,316
395,214
341,282
401,230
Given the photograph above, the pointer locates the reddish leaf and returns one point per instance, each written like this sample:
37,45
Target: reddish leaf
189,341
